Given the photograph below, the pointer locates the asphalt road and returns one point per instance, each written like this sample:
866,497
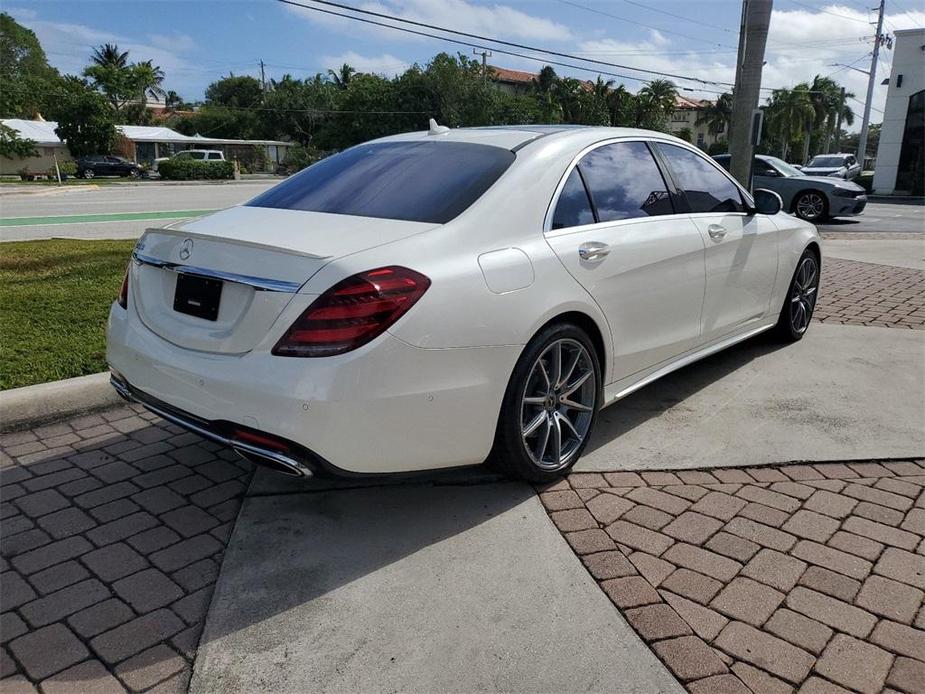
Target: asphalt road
114,211
125,211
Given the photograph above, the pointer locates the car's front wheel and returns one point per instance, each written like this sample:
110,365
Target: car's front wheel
812,206
87,173
550,405
134,173
800,302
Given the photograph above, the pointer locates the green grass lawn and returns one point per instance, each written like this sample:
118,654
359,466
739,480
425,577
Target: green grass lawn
54,300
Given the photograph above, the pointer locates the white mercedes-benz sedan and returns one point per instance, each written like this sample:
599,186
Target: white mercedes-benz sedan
443,298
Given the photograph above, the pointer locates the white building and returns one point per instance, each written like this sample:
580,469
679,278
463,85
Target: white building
684,118
139,143
901,153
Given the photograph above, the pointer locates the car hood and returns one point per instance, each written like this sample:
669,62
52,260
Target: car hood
827,181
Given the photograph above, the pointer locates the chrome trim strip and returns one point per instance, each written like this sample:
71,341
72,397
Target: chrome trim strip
294,466
262,284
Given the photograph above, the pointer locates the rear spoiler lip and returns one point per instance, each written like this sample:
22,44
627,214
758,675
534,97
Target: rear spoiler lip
238,242
262,284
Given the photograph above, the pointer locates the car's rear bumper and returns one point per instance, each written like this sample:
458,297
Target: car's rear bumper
386,407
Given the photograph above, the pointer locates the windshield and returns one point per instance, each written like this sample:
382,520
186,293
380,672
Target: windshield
418,181
828,162
783,167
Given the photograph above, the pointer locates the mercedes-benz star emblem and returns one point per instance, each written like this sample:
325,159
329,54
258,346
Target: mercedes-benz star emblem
186,249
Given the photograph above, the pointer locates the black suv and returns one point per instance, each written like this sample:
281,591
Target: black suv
106,165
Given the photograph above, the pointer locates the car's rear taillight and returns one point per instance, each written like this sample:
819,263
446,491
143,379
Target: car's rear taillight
352,312
123,293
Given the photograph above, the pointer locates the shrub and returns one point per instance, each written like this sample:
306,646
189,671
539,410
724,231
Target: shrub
194,169
866,181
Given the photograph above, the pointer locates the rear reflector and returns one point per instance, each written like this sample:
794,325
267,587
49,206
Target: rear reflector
353,312
261,440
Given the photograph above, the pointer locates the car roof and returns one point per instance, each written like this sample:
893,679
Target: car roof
514,137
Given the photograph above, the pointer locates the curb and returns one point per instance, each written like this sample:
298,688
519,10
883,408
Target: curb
22,408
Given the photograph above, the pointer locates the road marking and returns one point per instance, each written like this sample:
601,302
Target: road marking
89,218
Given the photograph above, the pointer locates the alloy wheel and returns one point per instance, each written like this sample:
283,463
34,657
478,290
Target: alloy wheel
558,404
803,294
88,174
810,206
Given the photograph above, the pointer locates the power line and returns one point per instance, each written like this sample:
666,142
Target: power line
677,16
485,38
631,21
824,11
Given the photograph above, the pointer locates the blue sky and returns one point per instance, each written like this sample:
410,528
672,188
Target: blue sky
197,41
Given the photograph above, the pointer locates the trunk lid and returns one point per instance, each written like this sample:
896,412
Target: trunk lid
260,256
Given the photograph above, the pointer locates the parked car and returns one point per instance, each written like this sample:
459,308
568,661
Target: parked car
813,198
841,165
200,154
433,299
106,165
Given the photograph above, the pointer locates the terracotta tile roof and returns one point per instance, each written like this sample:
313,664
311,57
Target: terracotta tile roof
517,76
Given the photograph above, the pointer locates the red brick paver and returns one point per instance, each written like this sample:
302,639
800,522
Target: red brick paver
113,528
856,293
765,579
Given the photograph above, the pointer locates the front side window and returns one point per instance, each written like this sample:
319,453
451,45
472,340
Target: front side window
198,155
625,182
706,188
416,181
574,207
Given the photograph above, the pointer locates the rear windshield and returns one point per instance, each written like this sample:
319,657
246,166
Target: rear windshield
413,181
827,161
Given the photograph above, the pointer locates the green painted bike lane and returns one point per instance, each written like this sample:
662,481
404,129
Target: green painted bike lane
98,218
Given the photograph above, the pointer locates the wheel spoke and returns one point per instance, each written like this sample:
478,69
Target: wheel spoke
568,422
535,400
544,373
571,368
557,439
572,405
578,383
543,439
535,424
557,365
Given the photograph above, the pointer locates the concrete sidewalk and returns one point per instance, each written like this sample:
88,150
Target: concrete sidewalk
842,393
416,589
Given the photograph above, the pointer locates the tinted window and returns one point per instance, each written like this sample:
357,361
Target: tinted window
198,155
215,155
704,186
573,208
416,181
625,182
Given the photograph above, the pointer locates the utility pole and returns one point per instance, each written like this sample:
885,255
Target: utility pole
753,35
263,78
865,121
485,56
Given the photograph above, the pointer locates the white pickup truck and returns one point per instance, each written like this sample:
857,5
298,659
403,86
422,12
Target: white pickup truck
201,154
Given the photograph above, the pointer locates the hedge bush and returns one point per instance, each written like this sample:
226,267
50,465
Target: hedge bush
195,169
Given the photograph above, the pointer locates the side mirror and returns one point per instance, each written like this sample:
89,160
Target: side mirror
767,202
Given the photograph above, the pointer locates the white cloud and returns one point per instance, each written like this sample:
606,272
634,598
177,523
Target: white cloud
385,64
496,20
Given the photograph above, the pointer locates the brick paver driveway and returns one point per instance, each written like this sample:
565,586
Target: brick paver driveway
113,528
856,293
762,579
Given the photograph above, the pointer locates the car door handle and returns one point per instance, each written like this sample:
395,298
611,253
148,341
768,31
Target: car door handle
716,231
593,250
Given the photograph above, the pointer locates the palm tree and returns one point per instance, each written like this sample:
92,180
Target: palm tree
544,86
150,79
621,106
601,89
109,55
787,111
716,114
342,76
654,104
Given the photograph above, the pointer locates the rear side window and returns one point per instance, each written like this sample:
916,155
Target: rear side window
198,155
705,187
625,182
214,155
413,181
573,208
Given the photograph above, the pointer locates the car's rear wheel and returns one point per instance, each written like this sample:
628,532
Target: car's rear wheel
812,206
87,173
134,173
550,405
800,302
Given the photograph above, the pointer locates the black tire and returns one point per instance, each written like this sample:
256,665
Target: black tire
509,454
87,173
812,206
788,328
134,173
